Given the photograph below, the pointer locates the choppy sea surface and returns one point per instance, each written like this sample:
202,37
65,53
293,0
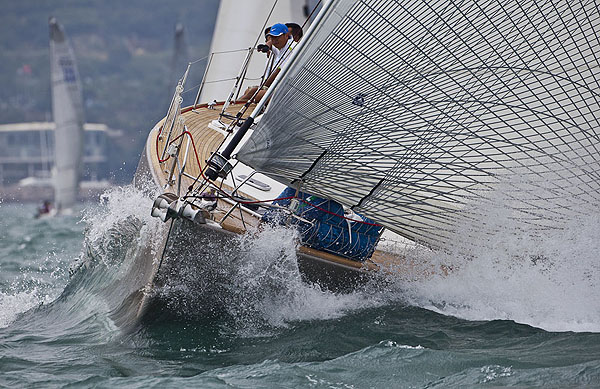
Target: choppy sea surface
523,312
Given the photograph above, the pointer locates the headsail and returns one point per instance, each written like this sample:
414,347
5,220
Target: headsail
67,111
409,111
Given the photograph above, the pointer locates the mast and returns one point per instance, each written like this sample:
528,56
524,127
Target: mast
67,111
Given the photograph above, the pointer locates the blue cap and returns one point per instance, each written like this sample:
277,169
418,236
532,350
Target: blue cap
278,29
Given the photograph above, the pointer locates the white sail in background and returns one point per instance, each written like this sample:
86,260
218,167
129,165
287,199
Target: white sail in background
67,111
237,28
414,113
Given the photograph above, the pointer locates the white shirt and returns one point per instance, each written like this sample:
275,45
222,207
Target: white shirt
283,54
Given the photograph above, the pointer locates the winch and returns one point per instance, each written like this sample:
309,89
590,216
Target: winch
169,206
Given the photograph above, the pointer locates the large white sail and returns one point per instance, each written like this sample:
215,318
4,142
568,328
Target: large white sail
67,111
237,27
415,112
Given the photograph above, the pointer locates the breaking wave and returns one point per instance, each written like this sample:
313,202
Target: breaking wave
254,286
28,281
269,286
547,279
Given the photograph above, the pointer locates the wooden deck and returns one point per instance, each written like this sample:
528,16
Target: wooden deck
207,140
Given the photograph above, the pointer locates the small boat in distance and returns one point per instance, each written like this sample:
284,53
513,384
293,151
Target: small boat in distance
45,210
417,117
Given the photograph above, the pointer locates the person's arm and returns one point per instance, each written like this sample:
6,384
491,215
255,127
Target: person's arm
272,77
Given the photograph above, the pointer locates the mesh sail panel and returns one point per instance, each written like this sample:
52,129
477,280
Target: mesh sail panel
416,113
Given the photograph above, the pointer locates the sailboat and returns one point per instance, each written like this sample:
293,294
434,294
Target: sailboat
416,117
67,112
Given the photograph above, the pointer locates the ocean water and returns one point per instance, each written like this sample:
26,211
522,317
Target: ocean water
524,311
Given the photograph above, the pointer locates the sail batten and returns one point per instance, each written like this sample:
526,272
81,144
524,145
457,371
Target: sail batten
421,114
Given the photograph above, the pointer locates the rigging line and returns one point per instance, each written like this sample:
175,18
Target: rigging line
242,216
198,60
186,132
237,200
230,51
311,14
262,31
216,52
235,187
208,82
307,203
264,80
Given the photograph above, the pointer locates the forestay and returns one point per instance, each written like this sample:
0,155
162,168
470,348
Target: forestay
416,113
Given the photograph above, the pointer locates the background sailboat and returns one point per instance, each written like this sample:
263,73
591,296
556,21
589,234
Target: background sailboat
67,112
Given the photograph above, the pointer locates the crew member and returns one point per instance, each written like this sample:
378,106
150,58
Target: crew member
295,31
279,36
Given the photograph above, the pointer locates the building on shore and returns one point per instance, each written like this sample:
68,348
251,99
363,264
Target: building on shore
27,153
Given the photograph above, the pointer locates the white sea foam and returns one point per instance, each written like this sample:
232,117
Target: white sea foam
270,281
33,286
44,282
547,280
117,204
493,372
391,343
14,303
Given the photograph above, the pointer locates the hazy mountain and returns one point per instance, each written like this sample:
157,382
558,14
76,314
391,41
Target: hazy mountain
125,53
